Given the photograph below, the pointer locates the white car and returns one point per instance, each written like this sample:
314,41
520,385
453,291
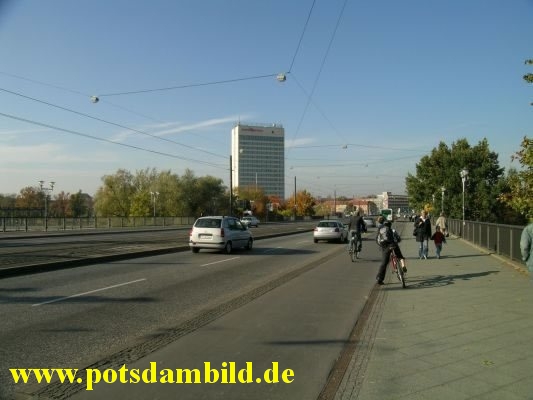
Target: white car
330,230
220,233
250,221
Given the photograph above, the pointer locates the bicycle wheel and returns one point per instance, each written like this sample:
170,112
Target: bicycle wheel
401,276
353,253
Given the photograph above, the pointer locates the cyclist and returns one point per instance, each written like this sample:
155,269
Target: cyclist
390,243
357,224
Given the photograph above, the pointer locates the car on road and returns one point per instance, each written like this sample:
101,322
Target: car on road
220,233
370,222
329,229
250,221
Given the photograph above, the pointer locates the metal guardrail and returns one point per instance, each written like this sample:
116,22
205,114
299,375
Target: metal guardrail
9,224
501,239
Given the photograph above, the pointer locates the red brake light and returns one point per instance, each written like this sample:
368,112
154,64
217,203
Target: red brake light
221,232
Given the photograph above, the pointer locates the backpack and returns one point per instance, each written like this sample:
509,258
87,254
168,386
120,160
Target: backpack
384,237
396,236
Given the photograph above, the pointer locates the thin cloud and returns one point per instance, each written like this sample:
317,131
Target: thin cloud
172,128
29,155
300,142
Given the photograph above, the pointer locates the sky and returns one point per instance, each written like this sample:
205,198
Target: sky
371,87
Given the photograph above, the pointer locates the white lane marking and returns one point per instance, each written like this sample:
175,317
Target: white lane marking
92,291
217,262
303,242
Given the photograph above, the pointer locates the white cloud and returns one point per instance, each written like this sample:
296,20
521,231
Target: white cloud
171,128
299,142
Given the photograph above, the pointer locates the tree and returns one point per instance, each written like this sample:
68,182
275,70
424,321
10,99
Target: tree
529,77
519,195
442,169
304,203
113,199
77,204
60,206
30,197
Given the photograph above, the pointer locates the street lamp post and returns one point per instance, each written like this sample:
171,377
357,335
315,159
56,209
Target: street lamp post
442,190
230,185
153,196
464,177
46,190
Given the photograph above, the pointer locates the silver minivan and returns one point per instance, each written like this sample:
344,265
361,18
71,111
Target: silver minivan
220,233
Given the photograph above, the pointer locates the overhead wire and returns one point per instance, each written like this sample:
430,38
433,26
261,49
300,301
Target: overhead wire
188,85
85,135
76,92
108,122
302,36
319,71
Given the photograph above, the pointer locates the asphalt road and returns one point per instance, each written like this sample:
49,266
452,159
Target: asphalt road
23,252
288,300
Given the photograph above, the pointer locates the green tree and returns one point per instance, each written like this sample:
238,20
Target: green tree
113,199
442,169
77,204
519,195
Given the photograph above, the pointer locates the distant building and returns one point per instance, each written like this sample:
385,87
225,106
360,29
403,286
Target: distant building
258,157
399,203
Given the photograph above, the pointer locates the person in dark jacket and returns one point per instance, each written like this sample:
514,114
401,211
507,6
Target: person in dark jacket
386,248
356,226
423,234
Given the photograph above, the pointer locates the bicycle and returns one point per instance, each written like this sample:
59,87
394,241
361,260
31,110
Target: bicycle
355,246
396,268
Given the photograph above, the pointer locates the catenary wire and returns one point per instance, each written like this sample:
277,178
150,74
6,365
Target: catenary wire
301,36
109,122
319,71
188,85
44,125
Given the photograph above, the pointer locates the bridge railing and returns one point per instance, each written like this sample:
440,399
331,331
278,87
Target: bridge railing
9,224
498,238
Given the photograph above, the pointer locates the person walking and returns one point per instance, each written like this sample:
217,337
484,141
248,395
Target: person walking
442,224
526,247
423,234
438,238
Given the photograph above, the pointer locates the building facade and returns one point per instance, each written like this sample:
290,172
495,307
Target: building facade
258,157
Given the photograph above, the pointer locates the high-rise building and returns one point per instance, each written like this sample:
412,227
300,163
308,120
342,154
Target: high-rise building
258,156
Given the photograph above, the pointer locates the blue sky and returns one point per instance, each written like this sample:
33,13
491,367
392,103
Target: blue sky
371,88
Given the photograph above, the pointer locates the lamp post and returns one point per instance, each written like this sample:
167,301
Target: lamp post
230,185
464,177
46,190
442,190
153,197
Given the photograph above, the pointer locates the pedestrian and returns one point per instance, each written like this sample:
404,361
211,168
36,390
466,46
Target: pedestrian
438,238
423,234
380,222
526,247
442,223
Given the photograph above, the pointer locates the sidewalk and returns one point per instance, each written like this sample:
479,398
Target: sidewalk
463,329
